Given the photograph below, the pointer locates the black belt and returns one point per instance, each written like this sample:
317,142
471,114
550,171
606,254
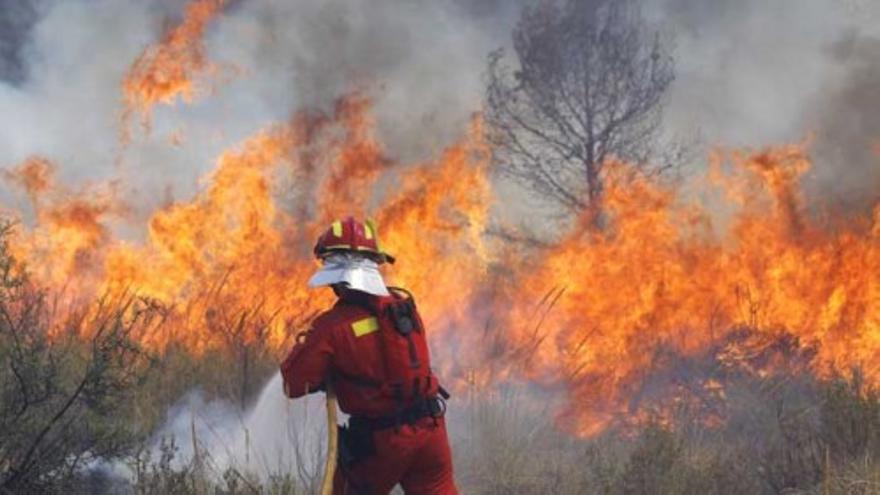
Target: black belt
432,407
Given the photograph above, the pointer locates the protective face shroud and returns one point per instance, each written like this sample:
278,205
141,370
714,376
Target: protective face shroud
356,271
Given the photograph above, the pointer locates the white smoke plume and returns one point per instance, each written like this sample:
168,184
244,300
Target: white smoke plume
275,437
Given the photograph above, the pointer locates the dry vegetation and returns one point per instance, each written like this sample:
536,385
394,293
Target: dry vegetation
78,416
827,446
505,444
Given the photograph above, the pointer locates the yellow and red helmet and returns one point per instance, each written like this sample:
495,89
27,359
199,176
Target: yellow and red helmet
349,235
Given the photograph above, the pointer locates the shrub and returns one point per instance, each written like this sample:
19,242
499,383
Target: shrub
66,387
850,419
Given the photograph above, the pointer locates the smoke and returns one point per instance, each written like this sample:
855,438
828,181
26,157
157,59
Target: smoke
66,108
274,438
16,20
752,73
749,74
279,437
422,63
846,119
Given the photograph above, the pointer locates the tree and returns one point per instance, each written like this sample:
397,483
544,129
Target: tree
588,86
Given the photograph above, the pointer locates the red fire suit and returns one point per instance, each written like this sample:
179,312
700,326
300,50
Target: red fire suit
344,344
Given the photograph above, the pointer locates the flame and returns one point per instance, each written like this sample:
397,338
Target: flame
166,71
71,225
598,314
660,277
756,281
231,263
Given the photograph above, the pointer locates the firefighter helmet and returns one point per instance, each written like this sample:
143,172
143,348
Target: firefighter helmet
349,235
350,256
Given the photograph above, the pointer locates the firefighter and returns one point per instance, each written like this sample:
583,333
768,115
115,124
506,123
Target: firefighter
371,346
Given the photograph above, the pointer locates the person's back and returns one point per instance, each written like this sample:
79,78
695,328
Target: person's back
372,346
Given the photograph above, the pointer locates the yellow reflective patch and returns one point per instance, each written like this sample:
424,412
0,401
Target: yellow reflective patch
337,228
365,326
368,230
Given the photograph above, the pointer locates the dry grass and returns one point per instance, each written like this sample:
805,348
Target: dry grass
506,443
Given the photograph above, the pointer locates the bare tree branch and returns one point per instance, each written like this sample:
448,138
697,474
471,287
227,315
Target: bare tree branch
588,84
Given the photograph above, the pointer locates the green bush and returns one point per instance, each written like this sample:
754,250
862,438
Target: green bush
66,387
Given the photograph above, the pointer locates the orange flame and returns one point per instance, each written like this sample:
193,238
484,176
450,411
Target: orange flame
659,278
242,247
596,315
167,71
70,227
589,314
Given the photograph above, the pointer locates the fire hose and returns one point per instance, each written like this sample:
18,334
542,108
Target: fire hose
332,442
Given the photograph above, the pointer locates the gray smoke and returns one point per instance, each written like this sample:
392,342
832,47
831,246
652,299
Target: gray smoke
846,117
422,62
17,17
754,73
750,73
